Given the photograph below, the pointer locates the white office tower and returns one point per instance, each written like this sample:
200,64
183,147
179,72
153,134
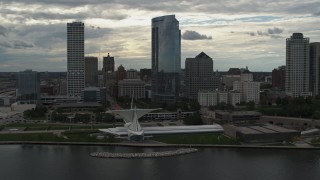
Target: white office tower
297,66
75,58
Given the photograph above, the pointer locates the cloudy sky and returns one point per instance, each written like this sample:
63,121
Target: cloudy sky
235,33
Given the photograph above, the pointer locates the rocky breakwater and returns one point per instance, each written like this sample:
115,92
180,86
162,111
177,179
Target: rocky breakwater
144,155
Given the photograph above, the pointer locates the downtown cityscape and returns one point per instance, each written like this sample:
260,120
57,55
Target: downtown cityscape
171,107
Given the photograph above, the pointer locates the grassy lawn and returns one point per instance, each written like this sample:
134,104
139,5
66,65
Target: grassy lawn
59,128
81,127
27,125
41,128
52,126
72,136
195,139
31,137
85,136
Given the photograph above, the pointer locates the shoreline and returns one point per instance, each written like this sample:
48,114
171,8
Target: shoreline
155,145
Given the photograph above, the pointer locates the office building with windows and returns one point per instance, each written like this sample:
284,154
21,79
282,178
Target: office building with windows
91,71
315,68
297,66
198,75
28,87
166,59
75,59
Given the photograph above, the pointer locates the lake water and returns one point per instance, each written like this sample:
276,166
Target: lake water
51,162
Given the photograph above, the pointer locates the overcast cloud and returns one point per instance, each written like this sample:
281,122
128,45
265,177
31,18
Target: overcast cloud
193,35
33,32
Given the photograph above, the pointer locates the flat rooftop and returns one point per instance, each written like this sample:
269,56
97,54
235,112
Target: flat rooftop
263,129
239,113
122,131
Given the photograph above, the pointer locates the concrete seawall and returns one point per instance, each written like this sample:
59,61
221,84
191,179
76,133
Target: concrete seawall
156,145
144,155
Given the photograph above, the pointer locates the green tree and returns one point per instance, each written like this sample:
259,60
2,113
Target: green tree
195,106
194,119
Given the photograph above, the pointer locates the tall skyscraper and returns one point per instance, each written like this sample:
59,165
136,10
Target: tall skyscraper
166,59
28,87
315,68
75,58
297,66
198,75
91,71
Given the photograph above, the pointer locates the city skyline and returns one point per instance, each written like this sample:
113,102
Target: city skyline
234,34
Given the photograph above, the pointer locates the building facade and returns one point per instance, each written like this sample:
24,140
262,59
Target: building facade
28,87
121,73
166,59
108,64
91,71
297,66
131,87
198,75
279,77
213,98
315,68
132,74
75,59
94,94
249,90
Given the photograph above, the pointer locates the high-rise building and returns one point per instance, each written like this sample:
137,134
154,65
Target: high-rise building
108,71
279,77
108,64
198,75
28,87
315,68
91,71
166,59
297,66
75,58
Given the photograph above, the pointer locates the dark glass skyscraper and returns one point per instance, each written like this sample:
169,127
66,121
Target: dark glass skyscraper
28,87
166,59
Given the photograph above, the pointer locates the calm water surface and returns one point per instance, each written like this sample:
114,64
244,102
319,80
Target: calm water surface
33,162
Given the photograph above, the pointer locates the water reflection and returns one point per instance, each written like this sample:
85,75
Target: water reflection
74,162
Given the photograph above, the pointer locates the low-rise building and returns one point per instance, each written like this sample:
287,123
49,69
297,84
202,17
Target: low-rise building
166,116
77,107
260,133
94,94
237,117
